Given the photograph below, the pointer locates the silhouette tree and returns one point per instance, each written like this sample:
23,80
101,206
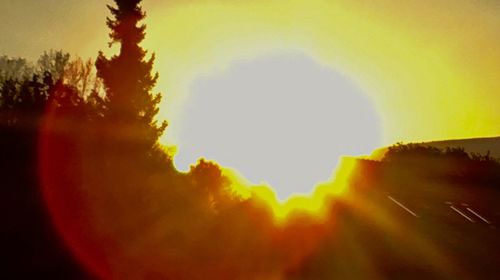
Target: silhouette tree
25,88
54,62
451,164
14,68
128,78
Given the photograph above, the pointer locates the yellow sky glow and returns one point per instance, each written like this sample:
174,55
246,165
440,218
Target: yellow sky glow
431,70
427,68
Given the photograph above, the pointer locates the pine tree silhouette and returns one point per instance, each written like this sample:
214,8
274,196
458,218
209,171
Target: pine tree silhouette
128,77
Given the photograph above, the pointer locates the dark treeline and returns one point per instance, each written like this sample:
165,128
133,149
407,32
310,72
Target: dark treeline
100,135
449,165
31,245
71,128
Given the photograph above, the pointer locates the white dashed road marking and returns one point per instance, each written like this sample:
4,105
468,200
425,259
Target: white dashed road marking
462,214
402,206
479,216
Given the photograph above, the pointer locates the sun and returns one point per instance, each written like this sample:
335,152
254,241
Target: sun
281,119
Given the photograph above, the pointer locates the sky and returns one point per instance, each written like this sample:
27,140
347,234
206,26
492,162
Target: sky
431,66
430,70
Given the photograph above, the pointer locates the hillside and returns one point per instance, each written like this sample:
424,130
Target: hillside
471,145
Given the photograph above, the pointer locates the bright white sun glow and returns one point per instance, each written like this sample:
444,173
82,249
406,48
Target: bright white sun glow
280,119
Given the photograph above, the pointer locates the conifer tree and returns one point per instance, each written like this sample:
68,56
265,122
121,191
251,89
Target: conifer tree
128,77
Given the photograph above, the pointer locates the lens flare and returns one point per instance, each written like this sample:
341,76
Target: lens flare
269,125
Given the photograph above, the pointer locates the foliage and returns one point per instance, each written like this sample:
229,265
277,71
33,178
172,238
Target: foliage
54,62
27,91
451,163
14,69
128,77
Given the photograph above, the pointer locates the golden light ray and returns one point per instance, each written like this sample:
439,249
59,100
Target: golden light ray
315,204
